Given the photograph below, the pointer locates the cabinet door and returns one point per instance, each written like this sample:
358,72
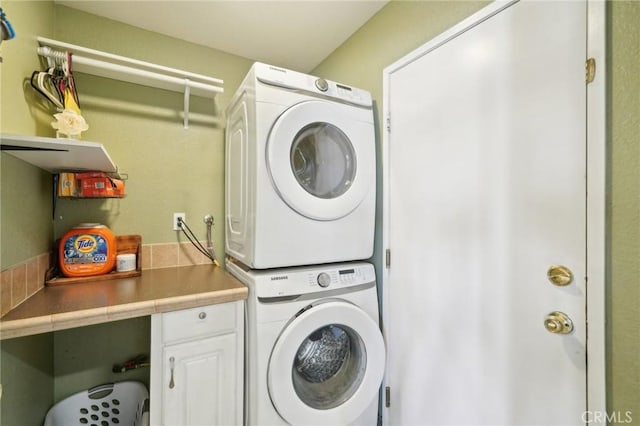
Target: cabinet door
199,386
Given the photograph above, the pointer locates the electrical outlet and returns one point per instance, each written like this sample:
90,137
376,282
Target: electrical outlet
177,216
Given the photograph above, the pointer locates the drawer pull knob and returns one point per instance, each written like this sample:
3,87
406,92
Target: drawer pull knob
202,315
172,364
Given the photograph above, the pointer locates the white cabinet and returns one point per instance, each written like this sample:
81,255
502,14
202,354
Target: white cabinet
197,366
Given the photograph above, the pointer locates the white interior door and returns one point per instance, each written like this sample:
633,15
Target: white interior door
485,181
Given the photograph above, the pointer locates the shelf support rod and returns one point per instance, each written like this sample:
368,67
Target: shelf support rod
187,93
121,68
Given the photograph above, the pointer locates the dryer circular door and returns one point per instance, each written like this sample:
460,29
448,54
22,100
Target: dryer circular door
321,158
327,365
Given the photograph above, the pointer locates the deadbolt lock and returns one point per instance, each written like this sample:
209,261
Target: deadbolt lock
558,323
560,275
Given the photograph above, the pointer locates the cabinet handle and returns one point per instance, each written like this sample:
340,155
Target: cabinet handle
172,364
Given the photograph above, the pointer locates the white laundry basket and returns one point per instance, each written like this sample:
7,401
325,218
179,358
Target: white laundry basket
123,403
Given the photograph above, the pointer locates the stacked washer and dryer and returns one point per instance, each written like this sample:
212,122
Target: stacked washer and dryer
300,215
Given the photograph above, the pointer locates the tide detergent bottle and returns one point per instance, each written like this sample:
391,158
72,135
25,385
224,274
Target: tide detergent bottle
87,249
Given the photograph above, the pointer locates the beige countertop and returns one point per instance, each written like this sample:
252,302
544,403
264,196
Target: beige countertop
156,290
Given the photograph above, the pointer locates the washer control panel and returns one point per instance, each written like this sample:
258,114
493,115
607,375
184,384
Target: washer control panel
339,277
303,280
294,80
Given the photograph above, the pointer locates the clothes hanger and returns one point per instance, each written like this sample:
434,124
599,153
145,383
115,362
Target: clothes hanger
42,82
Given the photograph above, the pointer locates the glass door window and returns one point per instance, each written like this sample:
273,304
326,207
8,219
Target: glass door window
327,363
323,160
329,366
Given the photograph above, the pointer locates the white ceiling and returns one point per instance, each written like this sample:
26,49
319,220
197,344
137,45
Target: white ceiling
292,34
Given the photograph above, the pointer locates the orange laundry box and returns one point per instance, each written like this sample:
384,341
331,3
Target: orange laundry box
98,184
67,185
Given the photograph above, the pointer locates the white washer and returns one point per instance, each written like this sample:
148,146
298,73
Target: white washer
300,166
315,354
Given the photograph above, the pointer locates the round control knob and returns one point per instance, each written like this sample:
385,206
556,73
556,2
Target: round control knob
324,279
322,84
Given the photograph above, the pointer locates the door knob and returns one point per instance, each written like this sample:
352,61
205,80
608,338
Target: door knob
558,323
559,275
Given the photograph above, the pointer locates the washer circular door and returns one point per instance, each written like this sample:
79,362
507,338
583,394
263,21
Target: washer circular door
327,365
321,158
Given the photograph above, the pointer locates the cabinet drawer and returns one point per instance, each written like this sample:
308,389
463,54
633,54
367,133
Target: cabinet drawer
198,322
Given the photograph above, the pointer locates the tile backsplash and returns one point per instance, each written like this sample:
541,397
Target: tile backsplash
171,254
19,282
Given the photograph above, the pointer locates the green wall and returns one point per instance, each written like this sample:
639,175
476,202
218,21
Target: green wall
83,357
23,188
27,380
25,212
170,169
623,286
402,26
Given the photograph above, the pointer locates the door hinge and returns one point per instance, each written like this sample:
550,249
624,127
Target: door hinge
388,124
387,258
590,70
387,397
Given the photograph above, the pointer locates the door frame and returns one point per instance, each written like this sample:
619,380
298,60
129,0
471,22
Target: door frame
595,186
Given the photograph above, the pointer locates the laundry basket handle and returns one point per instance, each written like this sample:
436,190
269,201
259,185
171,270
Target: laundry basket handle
100,391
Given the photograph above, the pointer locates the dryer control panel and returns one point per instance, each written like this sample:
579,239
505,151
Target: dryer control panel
303,280
294,80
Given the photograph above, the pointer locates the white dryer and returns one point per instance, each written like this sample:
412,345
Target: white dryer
315,354
300,177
